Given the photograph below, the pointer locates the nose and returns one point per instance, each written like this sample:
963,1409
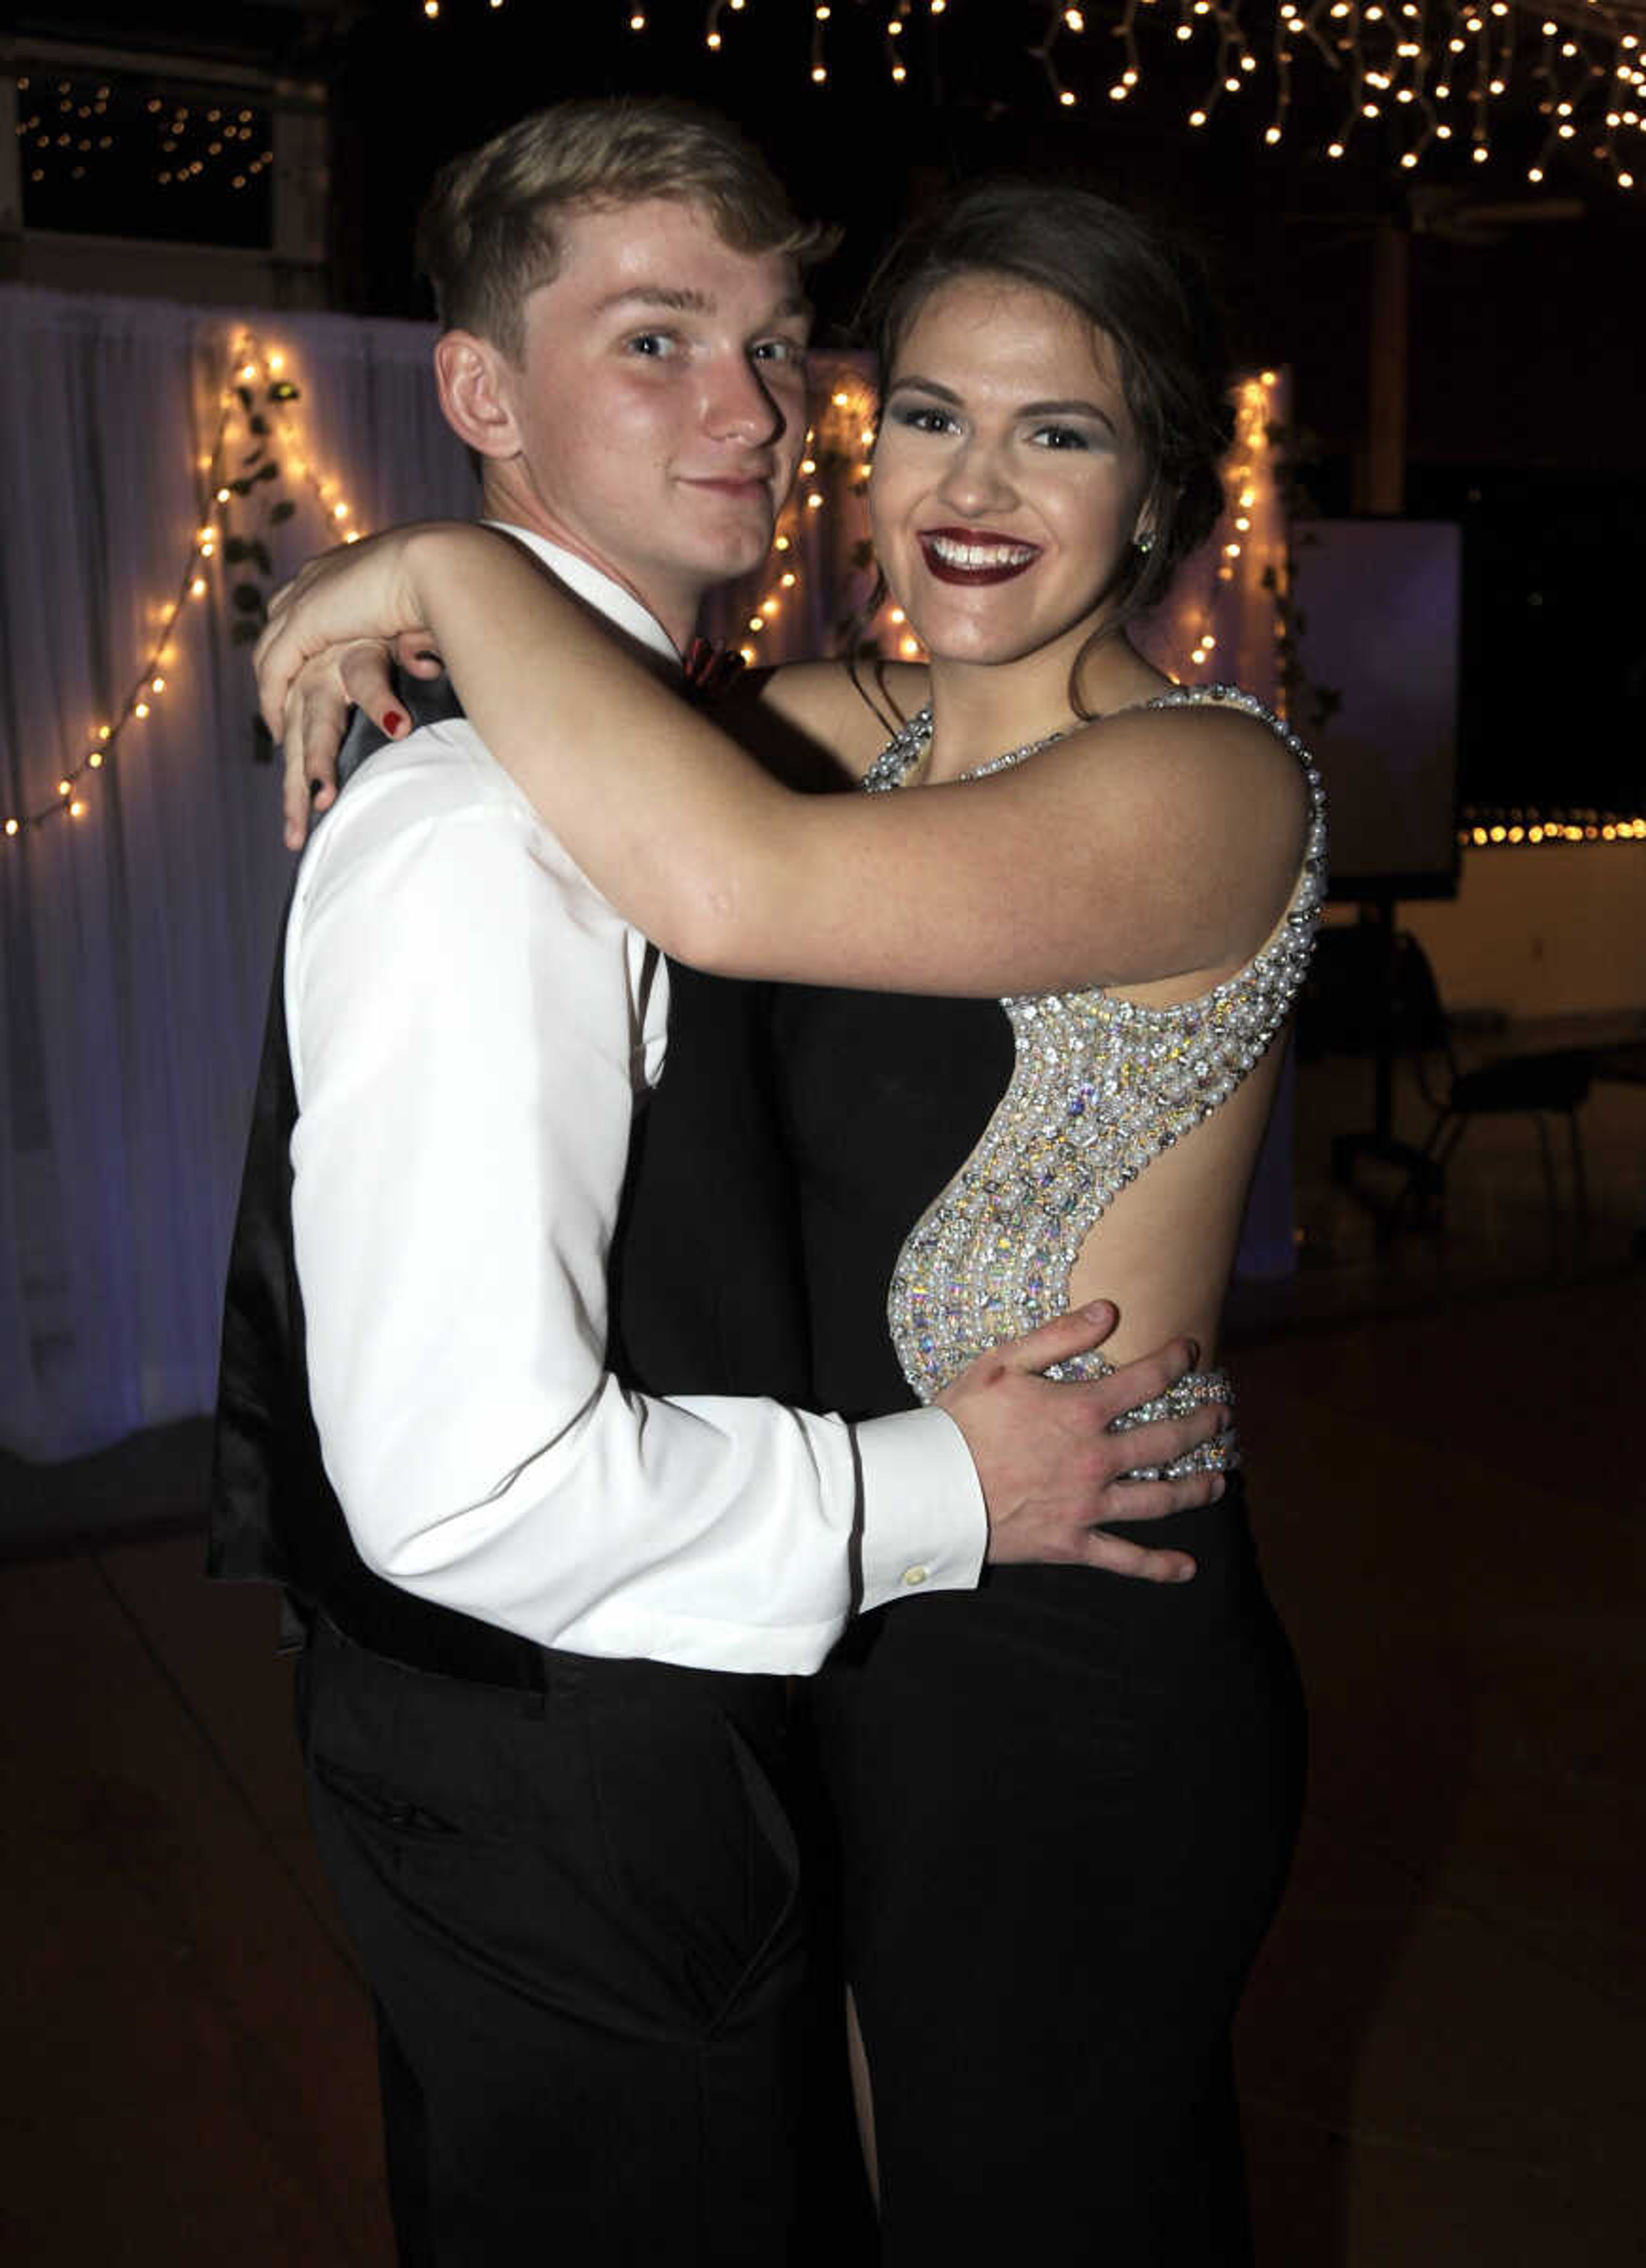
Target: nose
737,407
976,481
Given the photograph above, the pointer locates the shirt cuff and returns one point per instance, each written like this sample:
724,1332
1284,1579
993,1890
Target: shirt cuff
924,1527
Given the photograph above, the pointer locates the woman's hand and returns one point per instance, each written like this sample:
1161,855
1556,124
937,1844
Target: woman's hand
317,708
361,591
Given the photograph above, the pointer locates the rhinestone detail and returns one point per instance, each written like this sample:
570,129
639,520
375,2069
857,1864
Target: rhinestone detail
1099,1087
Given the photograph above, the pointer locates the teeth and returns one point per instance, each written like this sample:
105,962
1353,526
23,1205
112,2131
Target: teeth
980,555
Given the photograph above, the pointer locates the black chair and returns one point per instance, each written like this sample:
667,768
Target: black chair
1549,1083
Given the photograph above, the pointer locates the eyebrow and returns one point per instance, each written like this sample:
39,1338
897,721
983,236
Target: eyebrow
1076,408
1071,408
683,300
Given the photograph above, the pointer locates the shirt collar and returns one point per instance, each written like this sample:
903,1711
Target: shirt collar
592,584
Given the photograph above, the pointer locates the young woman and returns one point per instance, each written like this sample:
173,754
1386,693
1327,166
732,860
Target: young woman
1066,1802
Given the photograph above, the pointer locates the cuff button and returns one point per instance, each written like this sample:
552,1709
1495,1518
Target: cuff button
912,1577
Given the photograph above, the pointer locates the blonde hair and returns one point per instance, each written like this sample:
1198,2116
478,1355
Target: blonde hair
487,235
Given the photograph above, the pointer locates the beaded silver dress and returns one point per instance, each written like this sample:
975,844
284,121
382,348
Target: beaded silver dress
1099,1087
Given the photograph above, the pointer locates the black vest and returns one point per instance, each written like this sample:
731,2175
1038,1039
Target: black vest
706,1297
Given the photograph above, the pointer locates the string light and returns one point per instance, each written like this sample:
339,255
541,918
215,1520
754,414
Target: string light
83,125
895,18
1426,73
1249,546
1402,68
1497,829
243,417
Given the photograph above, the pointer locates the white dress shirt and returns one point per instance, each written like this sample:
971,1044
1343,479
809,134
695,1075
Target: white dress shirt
470,1024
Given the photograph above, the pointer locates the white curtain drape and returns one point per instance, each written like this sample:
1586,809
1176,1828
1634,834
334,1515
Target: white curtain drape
135,942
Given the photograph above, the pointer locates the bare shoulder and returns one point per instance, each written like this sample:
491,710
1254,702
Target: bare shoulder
852,711
1220,753
1206,800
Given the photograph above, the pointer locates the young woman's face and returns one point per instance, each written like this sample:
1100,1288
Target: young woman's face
1007,479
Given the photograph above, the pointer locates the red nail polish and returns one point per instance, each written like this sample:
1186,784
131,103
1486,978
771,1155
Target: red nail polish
391,721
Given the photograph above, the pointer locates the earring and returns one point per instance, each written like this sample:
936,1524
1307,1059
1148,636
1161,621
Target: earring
1143,544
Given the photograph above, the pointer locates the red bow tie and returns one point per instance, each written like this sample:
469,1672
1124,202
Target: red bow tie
710,668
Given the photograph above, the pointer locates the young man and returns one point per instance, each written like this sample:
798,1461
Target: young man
549,1622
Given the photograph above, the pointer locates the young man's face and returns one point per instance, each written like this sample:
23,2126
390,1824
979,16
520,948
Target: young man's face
659,411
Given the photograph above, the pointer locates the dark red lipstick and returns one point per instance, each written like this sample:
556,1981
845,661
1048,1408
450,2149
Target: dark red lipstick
976,555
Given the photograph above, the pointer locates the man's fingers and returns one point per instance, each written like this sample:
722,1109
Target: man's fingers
1117,1556
1131,1384
1085,1328
1163,1440
1061,1339
1128,1501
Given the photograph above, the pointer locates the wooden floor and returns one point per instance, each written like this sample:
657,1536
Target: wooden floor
1443,2057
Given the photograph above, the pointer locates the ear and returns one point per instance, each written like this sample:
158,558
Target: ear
475,382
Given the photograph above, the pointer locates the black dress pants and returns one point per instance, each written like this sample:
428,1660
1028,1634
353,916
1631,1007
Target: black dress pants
578,1913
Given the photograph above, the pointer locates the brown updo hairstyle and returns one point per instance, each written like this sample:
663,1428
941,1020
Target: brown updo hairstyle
1131,281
